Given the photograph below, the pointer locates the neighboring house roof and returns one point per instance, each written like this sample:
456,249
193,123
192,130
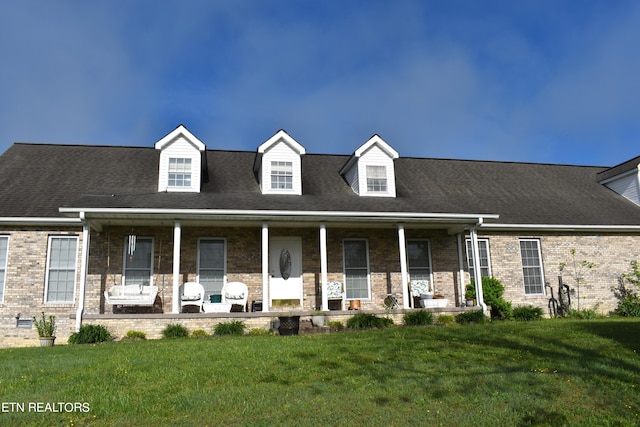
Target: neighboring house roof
37,179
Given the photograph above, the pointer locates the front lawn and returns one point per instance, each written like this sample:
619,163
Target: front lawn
551,372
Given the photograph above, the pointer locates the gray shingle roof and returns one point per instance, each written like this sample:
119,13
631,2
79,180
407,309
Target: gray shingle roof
36,180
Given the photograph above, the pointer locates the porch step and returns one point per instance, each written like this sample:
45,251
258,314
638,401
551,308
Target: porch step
307,328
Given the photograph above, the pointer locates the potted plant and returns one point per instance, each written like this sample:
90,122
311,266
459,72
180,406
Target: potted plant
289,324
318,318
46,327
470,295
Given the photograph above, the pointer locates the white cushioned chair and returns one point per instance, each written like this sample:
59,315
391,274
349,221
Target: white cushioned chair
235,293
192,293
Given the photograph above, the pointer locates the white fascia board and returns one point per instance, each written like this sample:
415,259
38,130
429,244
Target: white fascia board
180,130
40,221
186,213
283,136
377,140
634,171
561,227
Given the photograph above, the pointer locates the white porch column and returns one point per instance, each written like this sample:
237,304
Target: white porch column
323,266
177,234
477,277
402,244
265,267
84,266
461,269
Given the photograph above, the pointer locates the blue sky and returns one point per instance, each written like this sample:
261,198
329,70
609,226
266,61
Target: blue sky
536,81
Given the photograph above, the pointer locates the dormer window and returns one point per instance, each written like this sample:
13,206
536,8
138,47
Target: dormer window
182,165
179,172
281,175
370,170
278,165
376,179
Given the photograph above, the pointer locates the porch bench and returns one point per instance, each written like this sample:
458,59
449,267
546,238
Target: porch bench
131,295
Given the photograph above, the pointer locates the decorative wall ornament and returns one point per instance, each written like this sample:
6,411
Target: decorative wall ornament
285,264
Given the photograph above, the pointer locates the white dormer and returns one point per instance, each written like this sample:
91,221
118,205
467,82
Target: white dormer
278,165
626,183
180,168
369,171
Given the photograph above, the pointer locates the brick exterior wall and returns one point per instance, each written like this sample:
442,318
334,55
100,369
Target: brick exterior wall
26,269
612,254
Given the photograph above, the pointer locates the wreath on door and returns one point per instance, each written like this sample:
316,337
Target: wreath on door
285,264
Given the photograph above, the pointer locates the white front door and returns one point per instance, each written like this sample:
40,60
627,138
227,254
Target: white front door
285,268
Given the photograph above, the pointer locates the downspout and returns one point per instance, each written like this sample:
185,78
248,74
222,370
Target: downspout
477,277
86,233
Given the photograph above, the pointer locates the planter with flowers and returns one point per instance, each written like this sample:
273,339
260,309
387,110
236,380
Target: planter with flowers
46,326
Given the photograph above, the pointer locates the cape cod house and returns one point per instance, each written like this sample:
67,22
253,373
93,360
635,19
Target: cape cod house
119,235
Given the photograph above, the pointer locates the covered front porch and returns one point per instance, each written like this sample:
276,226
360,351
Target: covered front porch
287,262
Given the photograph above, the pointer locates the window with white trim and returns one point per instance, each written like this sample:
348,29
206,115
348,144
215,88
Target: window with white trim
376,179
138,265
211,265
483,254
4,246
356,269
179,172
281,175
532,266
61,269
419,259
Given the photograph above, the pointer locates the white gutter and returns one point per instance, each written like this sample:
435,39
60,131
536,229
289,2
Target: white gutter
560,227
39,221
280,213
86,235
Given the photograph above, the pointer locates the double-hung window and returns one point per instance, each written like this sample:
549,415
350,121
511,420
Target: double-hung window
532,266
356,269
281,175
484,258
61,269
211,265
4,246
419,259
376,179
179,172
138,264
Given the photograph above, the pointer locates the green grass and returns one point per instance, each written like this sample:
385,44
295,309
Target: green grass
551,372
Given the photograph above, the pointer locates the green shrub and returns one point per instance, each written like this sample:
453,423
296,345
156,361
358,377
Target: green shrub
260,331
527,312
335,325
200,333
90,334
627,293
492,291
446,319
368,321
585,314
46,326
501,309
175,330
418,318
236,327
628,306
476,316
136,335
